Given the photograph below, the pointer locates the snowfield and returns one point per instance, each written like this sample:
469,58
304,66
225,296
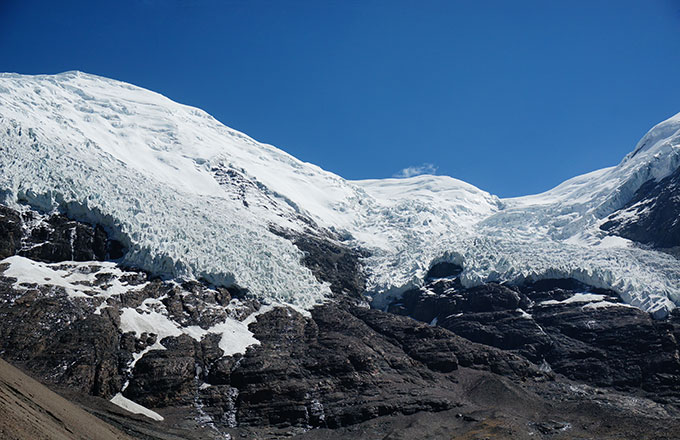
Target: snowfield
191,197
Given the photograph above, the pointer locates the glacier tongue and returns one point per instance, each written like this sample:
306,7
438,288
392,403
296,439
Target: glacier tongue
192,197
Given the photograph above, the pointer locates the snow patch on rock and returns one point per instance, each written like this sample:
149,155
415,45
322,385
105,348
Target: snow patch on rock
78,279
152,317
135,408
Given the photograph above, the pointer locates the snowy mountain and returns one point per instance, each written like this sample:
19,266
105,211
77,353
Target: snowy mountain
190,197
154,261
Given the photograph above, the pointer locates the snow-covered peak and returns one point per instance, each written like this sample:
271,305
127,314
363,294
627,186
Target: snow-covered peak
663,134
157,173
466,202
569,210
146,131
192,197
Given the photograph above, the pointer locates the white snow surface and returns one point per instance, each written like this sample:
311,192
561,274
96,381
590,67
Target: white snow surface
135,408
590,301
152,317
78,279
191,197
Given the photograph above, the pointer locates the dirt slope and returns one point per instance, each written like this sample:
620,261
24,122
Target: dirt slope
30,411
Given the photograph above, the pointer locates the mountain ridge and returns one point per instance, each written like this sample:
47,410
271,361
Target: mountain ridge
154,259
117,155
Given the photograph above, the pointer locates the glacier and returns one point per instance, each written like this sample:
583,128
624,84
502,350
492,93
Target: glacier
191,197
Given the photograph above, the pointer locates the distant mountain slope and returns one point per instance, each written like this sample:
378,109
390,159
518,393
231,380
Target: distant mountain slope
190,197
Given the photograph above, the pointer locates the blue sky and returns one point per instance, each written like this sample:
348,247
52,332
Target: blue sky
513,97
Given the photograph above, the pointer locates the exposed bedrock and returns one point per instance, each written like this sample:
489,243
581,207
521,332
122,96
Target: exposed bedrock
60,340
54,238
10,232
652,216
341,365
583,333
330,260
346,364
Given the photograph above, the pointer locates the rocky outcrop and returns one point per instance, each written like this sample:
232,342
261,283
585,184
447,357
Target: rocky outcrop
56,238
651,216
166,377
61,339
53,238
344,365
330,260
10,232
444,351
590,337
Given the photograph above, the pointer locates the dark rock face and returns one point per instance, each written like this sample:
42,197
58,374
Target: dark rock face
340,366
60,339
10,232
601,342
58,239
345,365
164,377
54,238
331,371
330,261
443,270
193,304
620,347
651,216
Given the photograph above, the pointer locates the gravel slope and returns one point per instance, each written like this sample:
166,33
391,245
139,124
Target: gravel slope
30,411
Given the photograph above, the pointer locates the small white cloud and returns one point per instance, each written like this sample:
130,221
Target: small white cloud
426,168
